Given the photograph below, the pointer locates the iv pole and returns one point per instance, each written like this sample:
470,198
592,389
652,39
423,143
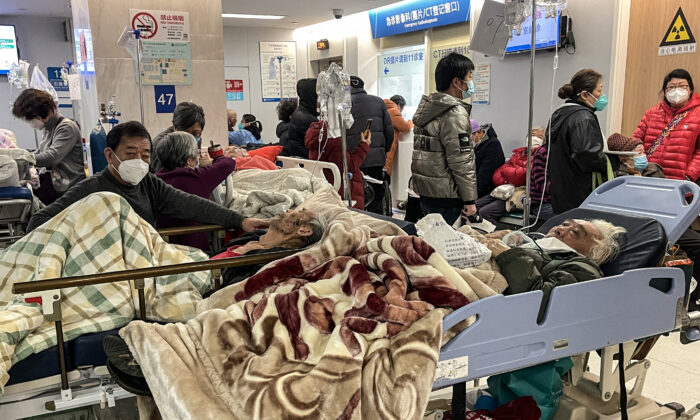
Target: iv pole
346,177
528,199
137,35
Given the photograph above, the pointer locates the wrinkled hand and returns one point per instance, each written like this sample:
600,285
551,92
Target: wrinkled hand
204,159
367,137
469,210
250,224
236,152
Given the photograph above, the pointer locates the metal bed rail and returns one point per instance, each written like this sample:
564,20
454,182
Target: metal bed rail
47,292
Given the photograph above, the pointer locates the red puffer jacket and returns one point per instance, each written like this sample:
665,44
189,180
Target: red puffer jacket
514,171
679,155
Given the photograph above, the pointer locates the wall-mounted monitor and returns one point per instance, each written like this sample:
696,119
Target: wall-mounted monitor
8,48
546,36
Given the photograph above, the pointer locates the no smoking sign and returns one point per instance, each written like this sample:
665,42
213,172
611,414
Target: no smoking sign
145,23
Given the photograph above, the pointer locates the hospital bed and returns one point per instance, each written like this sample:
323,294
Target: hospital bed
16,202
505,335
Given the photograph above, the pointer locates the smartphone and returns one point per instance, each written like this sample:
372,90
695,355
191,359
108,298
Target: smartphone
368,127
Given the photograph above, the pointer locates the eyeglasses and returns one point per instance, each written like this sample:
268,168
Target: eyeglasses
671,87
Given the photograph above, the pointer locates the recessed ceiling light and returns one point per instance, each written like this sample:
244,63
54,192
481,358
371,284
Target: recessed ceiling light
246,16
22,9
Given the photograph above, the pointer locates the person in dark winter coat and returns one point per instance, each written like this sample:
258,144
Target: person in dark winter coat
577,143
332,151
489,156
293,139
285,109
366,107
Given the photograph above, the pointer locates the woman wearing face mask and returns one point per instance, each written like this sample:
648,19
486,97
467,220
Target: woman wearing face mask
249,130
671,130
188,117
576,143
60,150
179,155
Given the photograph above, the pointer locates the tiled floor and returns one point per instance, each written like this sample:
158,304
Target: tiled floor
674,375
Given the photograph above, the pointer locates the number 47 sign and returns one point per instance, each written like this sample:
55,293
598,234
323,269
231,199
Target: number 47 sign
165,99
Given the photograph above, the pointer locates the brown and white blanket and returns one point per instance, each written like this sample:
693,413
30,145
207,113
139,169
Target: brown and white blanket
349,329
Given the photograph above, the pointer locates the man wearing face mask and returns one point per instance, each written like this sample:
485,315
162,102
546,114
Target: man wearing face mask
60,150
576,143
671,130
187,117
128,155
632,165
443,167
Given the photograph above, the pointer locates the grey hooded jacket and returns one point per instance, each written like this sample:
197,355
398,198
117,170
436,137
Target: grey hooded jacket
443,166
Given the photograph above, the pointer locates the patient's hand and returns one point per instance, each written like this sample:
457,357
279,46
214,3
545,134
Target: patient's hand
236,152
250,224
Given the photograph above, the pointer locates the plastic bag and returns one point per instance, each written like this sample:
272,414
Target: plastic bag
457,248
541,382
39,81
7,139
503,192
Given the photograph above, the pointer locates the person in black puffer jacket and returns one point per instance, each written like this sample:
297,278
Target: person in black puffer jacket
364,107
285,109
292,140
576,144
489,156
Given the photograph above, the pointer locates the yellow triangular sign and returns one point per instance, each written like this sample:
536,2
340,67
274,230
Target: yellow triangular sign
679,32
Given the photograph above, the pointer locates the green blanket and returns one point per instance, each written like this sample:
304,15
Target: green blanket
98,234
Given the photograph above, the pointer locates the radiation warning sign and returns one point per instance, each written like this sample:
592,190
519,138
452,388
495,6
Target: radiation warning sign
679,38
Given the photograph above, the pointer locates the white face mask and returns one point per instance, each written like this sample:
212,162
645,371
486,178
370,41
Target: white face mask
132,170
37,124
677,96
536,141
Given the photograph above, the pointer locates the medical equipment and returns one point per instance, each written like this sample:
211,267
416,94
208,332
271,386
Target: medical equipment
505,334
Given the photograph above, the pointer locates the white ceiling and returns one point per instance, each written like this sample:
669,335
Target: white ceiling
303,12
298,13
53,8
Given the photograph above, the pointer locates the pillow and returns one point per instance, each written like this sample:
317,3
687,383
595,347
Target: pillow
268,152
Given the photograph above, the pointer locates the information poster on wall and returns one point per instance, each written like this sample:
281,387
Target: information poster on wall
402,72
234,90
161,25
166,63
278,70
482,84
436,53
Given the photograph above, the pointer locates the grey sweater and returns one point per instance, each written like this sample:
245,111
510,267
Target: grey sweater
149,198
61,151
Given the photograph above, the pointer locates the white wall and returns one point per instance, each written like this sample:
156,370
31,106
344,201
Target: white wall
242,49
40,41
593,26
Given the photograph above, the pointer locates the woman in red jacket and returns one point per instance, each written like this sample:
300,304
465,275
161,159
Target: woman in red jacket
331,151
671,130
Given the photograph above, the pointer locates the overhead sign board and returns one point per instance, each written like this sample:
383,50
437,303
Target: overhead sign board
416,15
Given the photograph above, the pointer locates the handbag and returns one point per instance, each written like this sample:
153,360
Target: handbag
665,133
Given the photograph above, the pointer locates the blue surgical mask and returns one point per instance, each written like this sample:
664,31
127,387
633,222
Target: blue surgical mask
640,163
199,141
466,94
600,103
240,126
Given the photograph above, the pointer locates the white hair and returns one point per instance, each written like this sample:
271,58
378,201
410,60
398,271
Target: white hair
606,248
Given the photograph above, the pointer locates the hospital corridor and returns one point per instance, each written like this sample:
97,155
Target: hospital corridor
356,210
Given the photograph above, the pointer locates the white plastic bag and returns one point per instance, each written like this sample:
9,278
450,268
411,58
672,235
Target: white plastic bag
457,248
503,192
39,81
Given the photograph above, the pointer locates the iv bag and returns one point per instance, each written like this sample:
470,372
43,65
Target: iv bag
39,81
333,88
18,77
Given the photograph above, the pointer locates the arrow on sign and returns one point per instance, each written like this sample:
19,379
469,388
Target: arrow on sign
386,70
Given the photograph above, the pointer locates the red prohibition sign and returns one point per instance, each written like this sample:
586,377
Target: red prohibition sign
146,23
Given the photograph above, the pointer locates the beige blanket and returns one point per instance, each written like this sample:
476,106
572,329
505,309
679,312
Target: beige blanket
350,329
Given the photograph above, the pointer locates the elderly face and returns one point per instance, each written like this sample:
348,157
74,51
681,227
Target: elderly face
580,235
477,136
538,133
232,119
293,222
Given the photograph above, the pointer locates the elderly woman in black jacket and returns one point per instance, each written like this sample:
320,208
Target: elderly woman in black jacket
292,140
